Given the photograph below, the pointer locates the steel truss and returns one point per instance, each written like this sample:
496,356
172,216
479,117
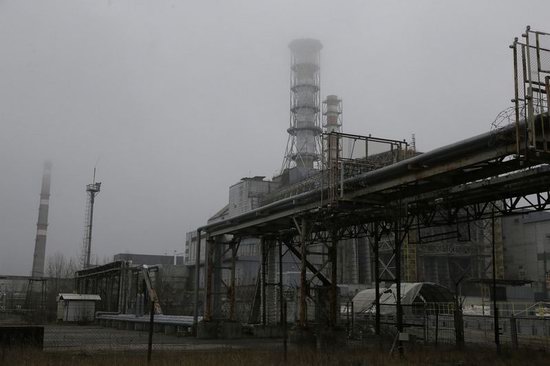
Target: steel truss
218,253
503,195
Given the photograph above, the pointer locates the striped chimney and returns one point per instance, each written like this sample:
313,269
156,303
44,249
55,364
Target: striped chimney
42,224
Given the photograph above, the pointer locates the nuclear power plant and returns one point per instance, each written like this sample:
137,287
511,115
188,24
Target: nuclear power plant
356,237
351,213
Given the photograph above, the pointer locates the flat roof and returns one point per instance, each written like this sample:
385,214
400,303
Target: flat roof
78,297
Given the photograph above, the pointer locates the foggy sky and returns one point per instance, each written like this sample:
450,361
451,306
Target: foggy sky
176,100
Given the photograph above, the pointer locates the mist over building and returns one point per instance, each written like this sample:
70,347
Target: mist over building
358,227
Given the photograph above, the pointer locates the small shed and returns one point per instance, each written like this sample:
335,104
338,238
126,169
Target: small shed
76,307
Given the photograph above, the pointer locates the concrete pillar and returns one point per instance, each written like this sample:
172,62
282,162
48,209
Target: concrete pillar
217,279
208,272
231,291
271,290
514,332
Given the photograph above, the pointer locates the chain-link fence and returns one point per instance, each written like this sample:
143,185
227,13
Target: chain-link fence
436,325
92,338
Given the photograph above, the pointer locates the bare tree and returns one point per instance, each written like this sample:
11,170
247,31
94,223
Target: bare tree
56,265
60,267
60,271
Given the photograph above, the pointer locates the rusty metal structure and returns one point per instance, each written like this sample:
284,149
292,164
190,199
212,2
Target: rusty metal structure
383,190
92,190
129,288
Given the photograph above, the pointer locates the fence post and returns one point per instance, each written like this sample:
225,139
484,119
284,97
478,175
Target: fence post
546,333
285,335
459,326
426,326
436,326
513,332
348,318
352,319
151,328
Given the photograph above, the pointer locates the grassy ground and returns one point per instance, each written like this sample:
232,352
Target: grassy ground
267,358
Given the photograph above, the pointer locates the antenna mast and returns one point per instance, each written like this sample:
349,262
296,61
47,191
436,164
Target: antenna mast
91,190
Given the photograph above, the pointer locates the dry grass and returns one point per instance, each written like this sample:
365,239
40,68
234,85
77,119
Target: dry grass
268,358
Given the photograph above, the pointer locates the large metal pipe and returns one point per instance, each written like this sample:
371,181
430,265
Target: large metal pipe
504,137
444,154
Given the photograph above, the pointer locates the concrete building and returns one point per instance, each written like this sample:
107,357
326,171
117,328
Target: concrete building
244,196
445,255
527,251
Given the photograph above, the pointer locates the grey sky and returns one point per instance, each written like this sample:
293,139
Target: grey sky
176,100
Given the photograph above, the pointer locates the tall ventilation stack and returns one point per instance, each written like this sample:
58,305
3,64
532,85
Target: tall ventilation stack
91,190
303,149
42,224
332,122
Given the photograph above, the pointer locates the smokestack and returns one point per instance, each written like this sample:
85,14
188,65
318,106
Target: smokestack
305,130
332,115
42,224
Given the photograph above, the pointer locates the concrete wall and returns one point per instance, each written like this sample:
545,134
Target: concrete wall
527,250
190,248
171,283
245,195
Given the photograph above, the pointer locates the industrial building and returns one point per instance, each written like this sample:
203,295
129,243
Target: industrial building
125,287
148,259
352,211
526,241
350,216
448,253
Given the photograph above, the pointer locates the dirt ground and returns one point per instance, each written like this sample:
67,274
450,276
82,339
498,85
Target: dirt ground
94,345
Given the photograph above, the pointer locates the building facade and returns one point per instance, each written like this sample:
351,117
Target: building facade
527,250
